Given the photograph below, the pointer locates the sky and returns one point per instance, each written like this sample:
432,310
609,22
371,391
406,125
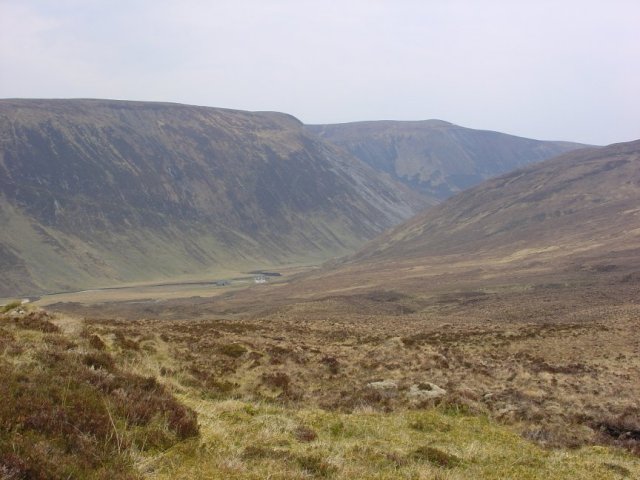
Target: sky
554,70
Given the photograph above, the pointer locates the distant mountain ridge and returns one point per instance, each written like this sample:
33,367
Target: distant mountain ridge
585,200
435,157
94,192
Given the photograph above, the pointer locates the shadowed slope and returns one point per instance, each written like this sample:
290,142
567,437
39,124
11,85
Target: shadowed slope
96,191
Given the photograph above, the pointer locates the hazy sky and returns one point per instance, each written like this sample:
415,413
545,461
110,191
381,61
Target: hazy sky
561,69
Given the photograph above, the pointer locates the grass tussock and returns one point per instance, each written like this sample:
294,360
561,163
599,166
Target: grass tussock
436,457
10,306
233,350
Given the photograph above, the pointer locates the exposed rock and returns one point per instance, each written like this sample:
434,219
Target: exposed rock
425,391
17,313
383,385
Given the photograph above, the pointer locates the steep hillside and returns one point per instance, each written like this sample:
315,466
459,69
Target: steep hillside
95,191
569,220
587,199
436,157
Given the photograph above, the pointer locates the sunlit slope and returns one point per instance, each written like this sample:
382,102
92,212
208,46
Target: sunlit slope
584,199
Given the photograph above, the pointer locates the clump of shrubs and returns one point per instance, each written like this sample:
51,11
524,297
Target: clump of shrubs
96,342
38,320
278,380
332,363
126,343
621,429
99,360
10,306
72,413
233,350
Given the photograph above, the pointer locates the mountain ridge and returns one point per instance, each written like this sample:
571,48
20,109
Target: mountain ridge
571,220
101,191
95,192
436,157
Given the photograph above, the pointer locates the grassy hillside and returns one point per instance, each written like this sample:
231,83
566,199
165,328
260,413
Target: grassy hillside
116,381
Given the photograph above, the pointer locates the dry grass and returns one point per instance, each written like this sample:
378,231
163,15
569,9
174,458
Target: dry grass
562,372
248,440
540,377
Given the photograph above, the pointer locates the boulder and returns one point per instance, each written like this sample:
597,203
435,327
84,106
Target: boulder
383,385
425,391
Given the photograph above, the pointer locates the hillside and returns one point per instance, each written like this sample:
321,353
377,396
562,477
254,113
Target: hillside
570,218
94,192
140,398
436,157
587,199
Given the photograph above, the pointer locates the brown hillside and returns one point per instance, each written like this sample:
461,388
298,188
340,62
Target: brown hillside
567,218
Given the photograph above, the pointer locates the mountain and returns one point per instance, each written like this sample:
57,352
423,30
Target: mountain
573,218
94,192
435,157
588,196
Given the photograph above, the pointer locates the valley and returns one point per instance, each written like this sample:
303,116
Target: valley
284,240
99,192
102,192
492,335
514,373
192,286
